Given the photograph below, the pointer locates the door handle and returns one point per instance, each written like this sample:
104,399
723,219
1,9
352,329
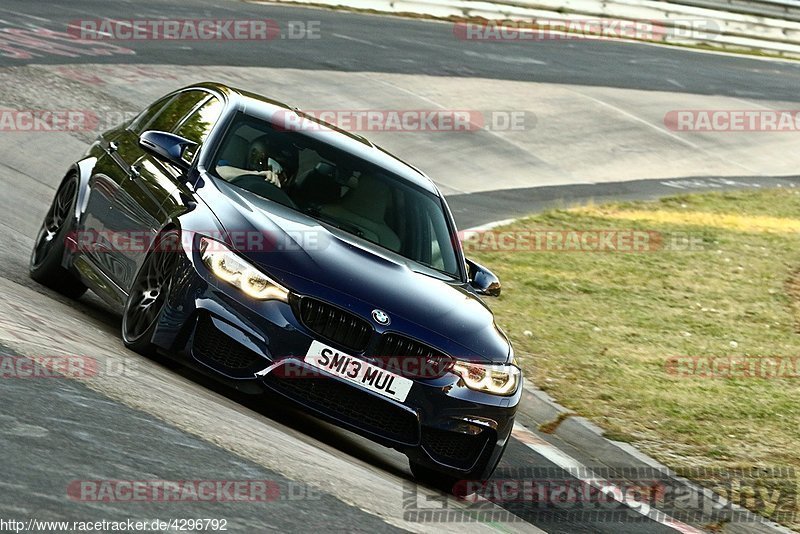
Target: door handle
113,147
133,172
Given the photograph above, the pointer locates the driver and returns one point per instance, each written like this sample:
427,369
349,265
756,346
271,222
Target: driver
276,161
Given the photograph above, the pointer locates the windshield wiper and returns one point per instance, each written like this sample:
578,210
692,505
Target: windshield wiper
429,268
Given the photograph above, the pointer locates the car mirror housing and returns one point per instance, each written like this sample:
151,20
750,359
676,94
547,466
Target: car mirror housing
483,280
166,146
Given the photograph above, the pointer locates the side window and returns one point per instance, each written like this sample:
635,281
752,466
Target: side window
178,108
138,124
198,125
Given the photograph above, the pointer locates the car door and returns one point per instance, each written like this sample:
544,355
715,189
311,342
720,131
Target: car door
143,184
102,228
153,191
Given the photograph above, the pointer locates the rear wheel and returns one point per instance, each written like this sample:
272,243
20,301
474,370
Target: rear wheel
48,250
148,294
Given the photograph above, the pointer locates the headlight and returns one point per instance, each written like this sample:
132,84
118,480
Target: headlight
495,379
233,269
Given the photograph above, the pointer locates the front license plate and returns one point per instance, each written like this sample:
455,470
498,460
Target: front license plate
358,371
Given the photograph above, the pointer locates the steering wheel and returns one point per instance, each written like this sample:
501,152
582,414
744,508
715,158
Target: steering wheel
258,185
243,177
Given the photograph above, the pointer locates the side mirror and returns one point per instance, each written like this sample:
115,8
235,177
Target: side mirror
166,146
483,280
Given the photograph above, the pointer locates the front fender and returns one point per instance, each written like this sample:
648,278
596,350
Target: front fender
83,169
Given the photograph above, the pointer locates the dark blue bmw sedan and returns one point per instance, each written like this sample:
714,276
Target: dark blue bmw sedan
279,253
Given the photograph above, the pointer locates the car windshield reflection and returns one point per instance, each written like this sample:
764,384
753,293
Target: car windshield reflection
337,189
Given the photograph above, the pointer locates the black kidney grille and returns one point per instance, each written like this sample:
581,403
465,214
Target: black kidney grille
412,358
335,324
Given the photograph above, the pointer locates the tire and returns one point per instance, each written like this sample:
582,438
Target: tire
48,250
148,294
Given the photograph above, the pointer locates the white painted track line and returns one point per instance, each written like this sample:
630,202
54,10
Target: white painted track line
587,476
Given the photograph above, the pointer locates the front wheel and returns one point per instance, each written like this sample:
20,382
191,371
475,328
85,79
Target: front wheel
48,250
148,294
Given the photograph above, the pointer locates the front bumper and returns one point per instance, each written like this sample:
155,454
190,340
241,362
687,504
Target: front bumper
260,346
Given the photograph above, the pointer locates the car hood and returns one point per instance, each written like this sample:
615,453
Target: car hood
314,259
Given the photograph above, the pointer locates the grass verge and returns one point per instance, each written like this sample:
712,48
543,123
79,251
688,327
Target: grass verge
638,341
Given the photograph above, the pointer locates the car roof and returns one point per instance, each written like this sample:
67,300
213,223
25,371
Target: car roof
357,145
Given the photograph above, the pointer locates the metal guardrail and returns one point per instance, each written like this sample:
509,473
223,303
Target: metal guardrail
719,25
770,27
778,9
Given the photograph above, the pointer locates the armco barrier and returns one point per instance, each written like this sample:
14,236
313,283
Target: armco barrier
745,26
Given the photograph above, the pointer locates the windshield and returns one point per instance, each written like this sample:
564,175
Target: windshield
338,189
